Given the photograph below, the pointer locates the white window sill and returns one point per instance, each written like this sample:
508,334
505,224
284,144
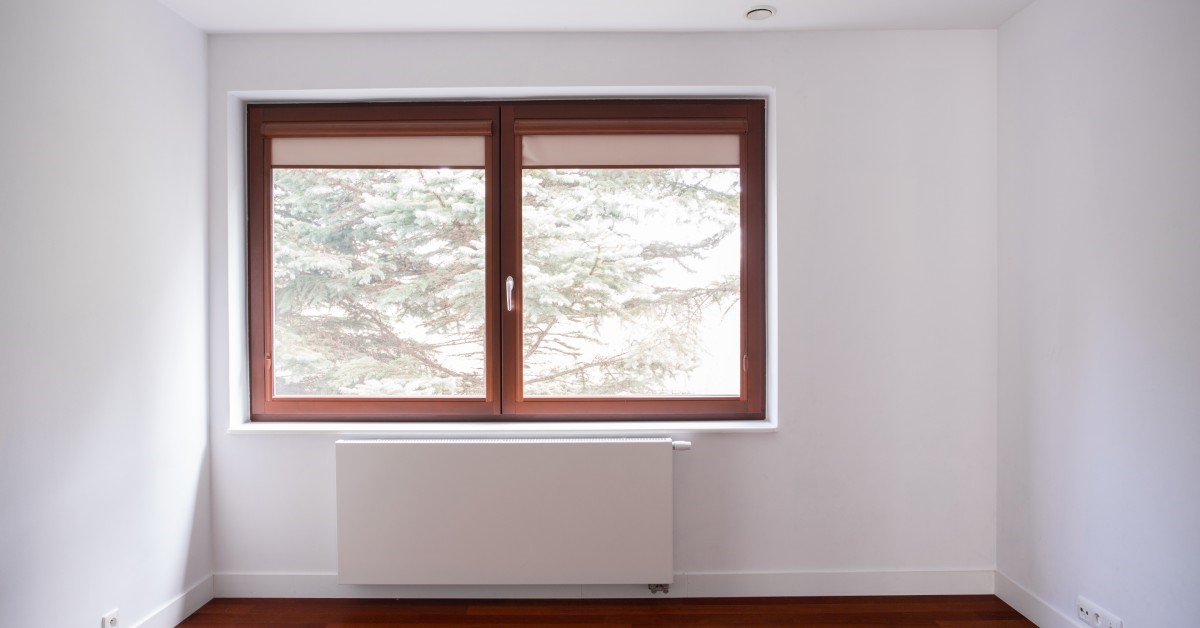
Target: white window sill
489,430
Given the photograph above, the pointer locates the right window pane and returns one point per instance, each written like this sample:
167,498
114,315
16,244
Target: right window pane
631,266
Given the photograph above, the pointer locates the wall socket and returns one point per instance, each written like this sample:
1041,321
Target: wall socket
1091,614
111,619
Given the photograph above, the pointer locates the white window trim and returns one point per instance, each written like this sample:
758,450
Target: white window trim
232,391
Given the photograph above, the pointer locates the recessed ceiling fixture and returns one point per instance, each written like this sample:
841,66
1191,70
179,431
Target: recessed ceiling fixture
760,13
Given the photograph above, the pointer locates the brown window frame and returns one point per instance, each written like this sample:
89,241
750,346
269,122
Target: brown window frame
501,123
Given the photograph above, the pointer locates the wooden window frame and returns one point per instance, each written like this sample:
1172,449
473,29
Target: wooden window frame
501,124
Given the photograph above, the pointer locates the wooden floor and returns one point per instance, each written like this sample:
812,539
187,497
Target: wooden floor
946,611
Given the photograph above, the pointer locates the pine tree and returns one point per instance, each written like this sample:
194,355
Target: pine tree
379,279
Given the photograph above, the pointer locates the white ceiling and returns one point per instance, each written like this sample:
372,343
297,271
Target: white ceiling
314,16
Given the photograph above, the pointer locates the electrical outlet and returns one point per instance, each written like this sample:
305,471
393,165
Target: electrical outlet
1091,614
111,619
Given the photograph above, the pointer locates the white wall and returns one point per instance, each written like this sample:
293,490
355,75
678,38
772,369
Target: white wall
885,456
104,474
1099,428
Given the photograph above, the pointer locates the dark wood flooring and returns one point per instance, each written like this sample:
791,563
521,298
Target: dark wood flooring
941,611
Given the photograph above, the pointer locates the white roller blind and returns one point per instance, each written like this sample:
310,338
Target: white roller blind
383,152
549,151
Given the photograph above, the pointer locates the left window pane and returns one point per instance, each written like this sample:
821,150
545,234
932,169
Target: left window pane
378,279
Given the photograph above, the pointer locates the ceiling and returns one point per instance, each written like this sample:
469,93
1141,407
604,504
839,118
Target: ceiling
362,16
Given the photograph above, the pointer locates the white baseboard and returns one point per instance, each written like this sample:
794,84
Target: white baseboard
178,609
804,584
1034,608
326,586
684,585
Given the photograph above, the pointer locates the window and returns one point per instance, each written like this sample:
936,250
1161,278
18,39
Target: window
574,260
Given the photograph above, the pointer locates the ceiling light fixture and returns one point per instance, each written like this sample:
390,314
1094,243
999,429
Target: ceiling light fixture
760,13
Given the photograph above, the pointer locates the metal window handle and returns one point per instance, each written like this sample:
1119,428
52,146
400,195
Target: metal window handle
508,288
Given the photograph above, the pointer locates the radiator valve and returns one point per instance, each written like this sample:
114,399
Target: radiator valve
659,588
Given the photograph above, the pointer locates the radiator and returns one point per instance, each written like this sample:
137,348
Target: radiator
533,511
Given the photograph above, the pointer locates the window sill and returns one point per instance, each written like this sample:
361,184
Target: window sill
505,429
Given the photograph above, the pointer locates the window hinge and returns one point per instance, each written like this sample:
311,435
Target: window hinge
746,363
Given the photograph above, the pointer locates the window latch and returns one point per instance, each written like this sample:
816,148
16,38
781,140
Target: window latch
508,288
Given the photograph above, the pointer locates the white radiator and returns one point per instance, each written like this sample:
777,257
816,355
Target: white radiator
537,511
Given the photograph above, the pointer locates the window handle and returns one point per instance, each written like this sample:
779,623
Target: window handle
508,288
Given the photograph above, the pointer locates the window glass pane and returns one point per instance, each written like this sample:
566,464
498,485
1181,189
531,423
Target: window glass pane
378,282
631,281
